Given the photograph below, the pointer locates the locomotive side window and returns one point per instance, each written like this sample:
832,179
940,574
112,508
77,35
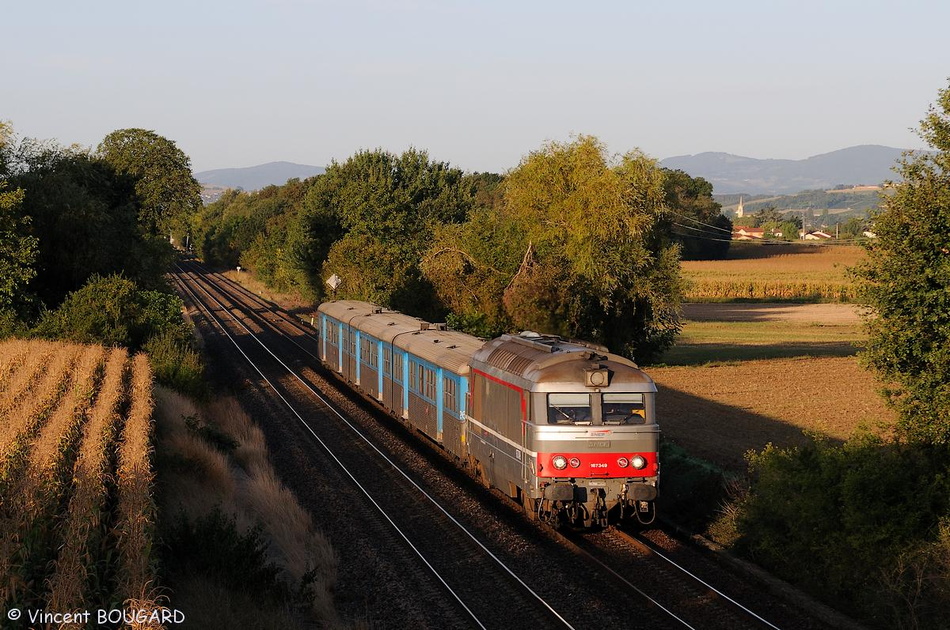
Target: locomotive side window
624,409
569,409
387,361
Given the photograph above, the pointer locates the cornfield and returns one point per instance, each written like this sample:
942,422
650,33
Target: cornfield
76,502
791,272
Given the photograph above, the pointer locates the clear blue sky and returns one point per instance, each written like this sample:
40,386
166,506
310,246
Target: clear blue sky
478,84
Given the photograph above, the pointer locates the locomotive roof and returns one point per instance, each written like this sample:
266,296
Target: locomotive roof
451,349
550,363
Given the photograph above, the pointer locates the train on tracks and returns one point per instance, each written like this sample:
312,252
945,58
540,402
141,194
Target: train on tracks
564,427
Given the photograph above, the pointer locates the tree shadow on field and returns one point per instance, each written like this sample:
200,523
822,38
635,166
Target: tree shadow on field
749,251
700,353
718,433
791,312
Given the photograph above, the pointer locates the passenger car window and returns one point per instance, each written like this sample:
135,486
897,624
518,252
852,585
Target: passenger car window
624,409
569,409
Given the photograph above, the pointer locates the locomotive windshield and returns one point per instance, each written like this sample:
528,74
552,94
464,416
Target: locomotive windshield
623,409
569,409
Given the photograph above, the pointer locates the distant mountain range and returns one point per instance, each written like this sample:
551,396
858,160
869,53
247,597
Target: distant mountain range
733,174
256,177
729,174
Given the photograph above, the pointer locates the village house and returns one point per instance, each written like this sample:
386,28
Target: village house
743,233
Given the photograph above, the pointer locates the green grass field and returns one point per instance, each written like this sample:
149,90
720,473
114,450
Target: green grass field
705,342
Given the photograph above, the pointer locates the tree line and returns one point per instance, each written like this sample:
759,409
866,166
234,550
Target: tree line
572,241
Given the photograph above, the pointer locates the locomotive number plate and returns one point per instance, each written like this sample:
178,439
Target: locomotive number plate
599,444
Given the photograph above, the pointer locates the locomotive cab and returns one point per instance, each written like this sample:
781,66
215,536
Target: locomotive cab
585,439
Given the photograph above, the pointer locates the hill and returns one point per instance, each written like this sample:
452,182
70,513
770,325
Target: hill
843,203
733,174
256,177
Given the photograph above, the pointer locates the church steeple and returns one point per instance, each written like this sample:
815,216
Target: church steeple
739,209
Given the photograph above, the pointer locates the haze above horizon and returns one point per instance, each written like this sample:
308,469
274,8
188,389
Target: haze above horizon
479,85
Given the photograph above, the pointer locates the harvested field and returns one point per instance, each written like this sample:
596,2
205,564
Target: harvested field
718,406
720,412
70,529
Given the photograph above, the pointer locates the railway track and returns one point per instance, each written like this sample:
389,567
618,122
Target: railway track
414,529
463,559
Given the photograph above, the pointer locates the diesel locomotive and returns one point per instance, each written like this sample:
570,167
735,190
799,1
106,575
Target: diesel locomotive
564,427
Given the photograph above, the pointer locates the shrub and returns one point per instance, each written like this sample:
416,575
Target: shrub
836,519
211,545
176,364
113,311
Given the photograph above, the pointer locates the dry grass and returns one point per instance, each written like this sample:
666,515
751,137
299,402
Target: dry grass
202,476
775,272
288,301
246,487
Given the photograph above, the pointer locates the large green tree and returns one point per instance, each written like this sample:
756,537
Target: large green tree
17,248
906,282
167,192
84,216
578,249
387,208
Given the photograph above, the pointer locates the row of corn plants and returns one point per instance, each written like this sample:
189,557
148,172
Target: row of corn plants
17,352
136,512
805,290
28,382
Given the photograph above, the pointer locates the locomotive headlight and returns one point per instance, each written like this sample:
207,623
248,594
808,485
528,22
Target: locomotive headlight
639,462
575,462
623,462
559,461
